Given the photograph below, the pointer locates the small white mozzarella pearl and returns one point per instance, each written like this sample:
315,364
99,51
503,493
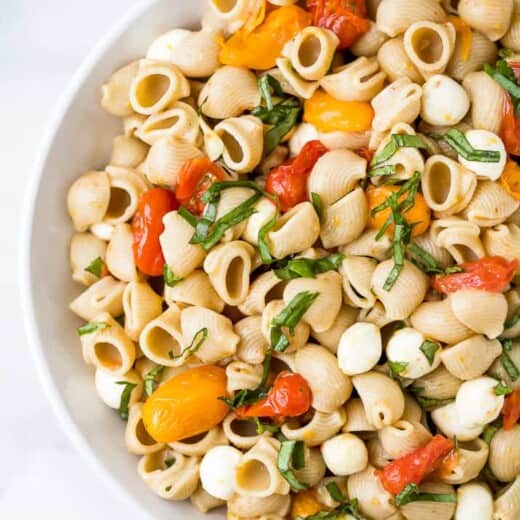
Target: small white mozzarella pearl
444,101
110,392
103,231
485,140
345,454
405,347
217,471
301,136
476,402
360,348
447,419
474,502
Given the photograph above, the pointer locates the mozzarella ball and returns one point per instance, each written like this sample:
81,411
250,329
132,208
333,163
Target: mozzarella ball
447,419
474,502
110,391
301,136
405,347
485,140
217,471
360,348
444,101
476,402
345,454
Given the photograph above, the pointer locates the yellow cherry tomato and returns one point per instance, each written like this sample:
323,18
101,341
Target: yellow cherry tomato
186,405
328,114
511,179
259,48
305,504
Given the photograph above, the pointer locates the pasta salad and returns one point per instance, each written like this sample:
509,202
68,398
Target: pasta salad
301,262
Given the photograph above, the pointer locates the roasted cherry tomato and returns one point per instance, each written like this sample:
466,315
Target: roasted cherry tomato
329,114
259,48
289,396
419,214
148,226
195,177
490,273
289,180
305,504
366,153
186,405
510,130
511,410
510,179
346,18
416,466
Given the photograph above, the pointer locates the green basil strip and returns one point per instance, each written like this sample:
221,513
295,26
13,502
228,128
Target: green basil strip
346,507
502,389
150,380
503,81
125,398
510,323
397,141
96,267
429,404
292,457
411,493
396,367
507,362
289,317
170,279
265,84
411,185
398,247
386,153
92,327
458,141
335,493
263,246
277,133
318,204
427,262
187,216
429,349
198,339
308,267
262,427
489,432
383,171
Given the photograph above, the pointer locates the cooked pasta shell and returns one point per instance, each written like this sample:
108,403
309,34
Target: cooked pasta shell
439,253
141,304
403,437
490,17
85,248
242,433
264,289
115,97
503,240
243,376
507,502
431,510
253,345
296,84
498,370
120,259
330,338
137,440
511,39
377,456
504,454
204,502
200,445
357,272
314,468
395,63
369,43
470,460
460,238
357,420
367,245
439,384
247,506
128,152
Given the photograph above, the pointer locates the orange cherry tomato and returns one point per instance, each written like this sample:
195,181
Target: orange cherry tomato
346,18
289,180
195,177
328,114
259,48
289,396
416,466
510,130
305,504
187,404
510,179
511,410
490,273
418,214
147,226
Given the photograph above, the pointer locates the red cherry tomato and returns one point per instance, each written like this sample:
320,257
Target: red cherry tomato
511,410
346,18
289,180
290,396
195,177
416,466
491,273
366,153
510,130
147,227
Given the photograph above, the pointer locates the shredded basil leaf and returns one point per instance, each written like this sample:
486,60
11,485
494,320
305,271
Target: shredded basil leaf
510,323
397,141
424,260
490,431
502,389
396,367
309,267
96,267
265,84
125,398
505,77
187,216
335,493
507,362
289,317
411,493
318,204
292,457
263,246
150,380
346,507
429,349
170,279
458,141
262,427
429,404
92,327
198,339
383,171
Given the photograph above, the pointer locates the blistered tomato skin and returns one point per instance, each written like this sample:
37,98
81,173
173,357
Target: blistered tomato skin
511,410
186,405
147,226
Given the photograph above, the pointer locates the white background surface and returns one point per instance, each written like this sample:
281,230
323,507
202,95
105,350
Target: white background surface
42,43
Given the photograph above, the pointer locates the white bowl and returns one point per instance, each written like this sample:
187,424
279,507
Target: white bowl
80,139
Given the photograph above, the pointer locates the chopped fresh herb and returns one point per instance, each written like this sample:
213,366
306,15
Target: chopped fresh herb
169,462
289,317
197,341
506,361
335,493
308,267
502,389
396,367
383,171
453,269
506,53
92,327
511,322
429,404
170,279
397,141
398,245
490,430
424,260
292,457
346,507
96,267
187,216
504,75
317,203
263,246
411,493
125,398
278,132
458,141
262,427
429,349
150,380
267,83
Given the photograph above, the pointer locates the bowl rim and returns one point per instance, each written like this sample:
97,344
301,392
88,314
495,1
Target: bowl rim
34,340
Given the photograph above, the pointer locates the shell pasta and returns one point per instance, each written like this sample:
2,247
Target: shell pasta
298,271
